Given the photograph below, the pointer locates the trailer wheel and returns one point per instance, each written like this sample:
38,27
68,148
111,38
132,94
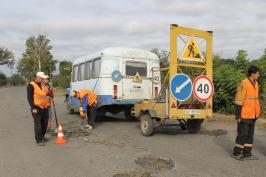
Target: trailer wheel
193,125
146,125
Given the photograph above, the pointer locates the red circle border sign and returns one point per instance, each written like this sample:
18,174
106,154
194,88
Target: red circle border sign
194,85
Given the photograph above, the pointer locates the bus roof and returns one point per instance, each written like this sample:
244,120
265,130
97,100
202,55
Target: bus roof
122,52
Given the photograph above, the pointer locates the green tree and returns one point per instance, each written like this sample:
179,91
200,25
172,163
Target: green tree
216,60
36,57
6,57
242,60
225,79
3,79
16,79
65,68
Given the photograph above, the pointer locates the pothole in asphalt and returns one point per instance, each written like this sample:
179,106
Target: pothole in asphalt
133,174
76,133
217,132
155,163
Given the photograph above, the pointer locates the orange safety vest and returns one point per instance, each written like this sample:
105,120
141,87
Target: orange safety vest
39,96
48,98
91,96
248,96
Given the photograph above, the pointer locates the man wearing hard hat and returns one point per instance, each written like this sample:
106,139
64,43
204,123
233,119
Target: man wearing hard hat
37,99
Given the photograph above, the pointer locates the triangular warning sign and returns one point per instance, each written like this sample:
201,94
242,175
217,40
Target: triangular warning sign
137,78
191,51
173,105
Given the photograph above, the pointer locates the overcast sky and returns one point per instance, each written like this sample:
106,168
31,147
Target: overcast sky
80,27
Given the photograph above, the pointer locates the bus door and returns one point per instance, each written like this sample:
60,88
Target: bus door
136,86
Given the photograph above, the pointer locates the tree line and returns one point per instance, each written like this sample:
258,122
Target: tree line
37,57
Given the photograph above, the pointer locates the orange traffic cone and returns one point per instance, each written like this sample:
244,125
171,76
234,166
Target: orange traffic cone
60,136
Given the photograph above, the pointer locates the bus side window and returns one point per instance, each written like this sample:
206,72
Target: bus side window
81,72
96,68
87,74
75,73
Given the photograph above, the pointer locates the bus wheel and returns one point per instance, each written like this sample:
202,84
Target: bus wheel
146,125
193,125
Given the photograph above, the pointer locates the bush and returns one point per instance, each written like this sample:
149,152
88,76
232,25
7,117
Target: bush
61,81
16,79
226,79
3,79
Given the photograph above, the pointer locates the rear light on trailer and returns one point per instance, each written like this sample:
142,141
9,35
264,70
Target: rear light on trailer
115,91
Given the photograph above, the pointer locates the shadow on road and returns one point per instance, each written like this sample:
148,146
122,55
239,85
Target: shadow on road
260,146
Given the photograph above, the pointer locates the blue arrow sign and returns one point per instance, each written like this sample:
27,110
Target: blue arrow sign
181,87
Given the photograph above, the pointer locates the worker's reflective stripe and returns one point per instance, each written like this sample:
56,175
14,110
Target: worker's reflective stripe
238,102
240,146
248,145
249,98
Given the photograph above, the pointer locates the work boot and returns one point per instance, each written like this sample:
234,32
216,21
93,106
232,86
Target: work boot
40,143
237,156
88,126
45,139
249,157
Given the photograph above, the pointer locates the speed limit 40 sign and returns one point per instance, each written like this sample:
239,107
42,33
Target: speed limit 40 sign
203,88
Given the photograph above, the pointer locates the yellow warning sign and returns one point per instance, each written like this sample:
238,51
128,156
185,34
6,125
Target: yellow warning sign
137,78
192,52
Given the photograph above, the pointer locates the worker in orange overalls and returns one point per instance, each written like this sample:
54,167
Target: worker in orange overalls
88,101
247,110
37,99
49,96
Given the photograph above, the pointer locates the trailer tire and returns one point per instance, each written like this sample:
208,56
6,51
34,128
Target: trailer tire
194,125
146,125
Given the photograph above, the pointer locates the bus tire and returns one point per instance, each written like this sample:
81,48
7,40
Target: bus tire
194,125
146,125
71,111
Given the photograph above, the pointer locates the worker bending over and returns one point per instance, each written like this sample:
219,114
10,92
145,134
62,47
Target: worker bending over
88,101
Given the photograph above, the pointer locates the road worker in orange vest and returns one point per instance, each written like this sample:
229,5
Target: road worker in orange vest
247,110
37,99
88,101
49,95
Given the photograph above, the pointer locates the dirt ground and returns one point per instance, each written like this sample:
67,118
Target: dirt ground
116,147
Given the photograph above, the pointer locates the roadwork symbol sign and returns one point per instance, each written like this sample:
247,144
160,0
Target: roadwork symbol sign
192,52
181,87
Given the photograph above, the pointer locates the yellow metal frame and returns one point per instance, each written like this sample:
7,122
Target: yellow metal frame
164,110
174,66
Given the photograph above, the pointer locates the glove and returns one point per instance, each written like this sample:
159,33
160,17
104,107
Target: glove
82,114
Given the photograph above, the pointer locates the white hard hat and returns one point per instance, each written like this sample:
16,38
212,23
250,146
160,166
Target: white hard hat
46,77
41,74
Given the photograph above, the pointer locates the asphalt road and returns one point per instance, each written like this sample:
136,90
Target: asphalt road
116,147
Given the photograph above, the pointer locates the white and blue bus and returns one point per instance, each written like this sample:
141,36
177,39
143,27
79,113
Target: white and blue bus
120,77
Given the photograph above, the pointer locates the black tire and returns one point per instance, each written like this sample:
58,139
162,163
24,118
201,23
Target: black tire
146,125
194,125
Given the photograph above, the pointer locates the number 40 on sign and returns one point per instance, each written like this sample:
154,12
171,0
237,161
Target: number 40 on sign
203,88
